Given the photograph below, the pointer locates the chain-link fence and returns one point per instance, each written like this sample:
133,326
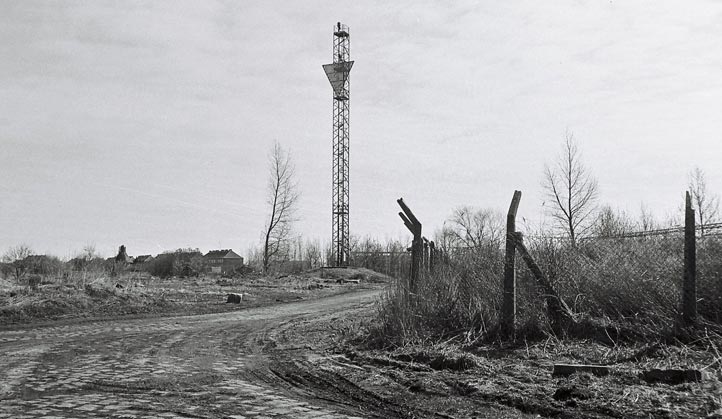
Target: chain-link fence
614,277
395,264
709,277
636,275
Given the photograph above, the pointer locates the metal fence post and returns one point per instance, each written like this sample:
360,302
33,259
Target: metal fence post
508,308
689,287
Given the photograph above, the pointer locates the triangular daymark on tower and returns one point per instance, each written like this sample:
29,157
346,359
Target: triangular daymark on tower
337,74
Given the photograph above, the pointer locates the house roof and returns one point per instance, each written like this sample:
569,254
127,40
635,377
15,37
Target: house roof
143,258
223,253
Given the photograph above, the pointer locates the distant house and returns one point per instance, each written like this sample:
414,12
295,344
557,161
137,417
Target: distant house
221,262
122,256
141,263
142,259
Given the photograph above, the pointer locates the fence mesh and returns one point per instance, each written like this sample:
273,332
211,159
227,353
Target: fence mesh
631,276
636,277
396,264
709,277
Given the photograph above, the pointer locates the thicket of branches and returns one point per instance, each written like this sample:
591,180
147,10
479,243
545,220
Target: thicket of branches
23,266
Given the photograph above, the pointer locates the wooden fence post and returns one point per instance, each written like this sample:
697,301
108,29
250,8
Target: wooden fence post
508,308
417,245
689,287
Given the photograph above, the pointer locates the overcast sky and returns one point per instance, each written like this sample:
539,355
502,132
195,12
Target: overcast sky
149,123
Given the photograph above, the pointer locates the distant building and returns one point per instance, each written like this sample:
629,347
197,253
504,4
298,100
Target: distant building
141,263
122,256
142,259
221,262
181,263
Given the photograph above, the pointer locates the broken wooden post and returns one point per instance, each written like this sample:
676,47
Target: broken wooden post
558,309
689,288
508,307
417,246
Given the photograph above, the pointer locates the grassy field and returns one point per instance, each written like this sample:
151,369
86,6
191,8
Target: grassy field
95,295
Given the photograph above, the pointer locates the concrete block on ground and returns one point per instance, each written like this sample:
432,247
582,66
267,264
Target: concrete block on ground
569,369
234,298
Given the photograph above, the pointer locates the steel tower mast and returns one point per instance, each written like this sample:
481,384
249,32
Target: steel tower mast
338,75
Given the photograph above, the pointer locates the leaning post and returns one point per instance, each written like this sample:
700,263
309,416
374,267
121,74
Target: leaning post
508,308
689,287
417,245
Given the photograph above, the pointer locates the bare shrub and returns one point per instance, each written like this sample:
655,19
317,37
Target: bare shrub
473,228
16,261
705,203
612,223
46,266
312,253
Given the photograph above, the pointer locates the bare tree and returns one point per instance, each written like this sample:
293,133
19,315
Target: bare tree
572,189
646,218
612,223
474,228
707,205
313,253
16,260
282,199
86,259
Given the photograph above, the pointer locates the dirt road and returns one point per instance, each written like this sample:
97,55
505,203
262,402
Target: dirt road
246,364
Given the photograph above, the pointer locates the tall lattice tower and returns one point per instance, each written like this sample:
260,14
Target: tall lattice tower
338,75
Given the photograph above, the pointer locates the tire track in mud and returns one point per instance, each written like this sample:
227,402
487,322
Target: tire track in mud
295,364
226,365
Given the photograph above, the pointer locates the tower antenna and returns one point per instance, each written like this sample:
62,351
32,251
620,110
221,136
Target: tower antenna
338,74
